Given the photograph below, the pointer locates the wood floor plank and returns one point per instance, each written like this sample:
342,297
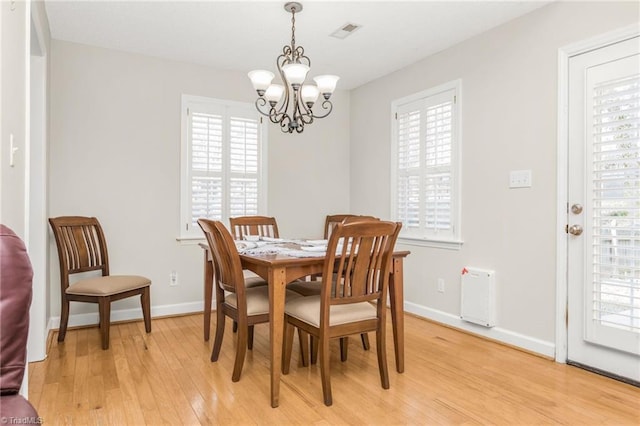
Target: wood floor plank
166,377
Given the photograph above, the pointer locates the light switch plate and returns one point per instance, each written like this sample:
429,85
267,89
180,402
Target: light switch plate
520,179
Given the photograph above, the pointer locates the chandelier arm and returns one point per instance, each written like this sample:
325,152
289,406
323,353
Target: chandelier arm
305,113
280,62
297,55
260,103
306,118
326,105
284,124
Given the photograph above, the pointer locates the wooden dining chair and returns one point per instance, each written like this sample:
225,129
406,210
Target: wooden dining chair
333,219
262,226
330,222
358,256
82,248
247,306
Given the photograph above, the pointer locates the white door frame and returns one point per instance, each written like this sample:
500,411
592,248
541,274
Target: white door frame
564,54
36,210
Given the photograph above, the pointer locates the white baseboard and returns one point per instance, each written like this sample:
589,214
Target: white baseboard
495,333
78,320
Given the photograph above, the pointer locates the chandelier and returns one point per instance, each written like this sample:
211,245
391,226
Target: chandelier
290,104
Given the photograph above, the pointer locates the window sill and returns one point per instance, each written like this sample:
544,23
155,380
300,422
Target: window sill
425,242
190,241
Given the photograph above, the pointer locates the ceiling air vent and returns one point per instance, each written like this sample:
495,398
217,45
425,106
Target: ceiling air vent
345,30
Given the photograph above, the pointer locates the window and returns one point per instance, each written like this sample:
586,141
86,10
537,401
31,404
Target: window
425,166
222,162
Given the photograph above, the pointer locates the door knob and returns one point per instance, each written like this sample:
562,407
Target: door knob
575,229
576,209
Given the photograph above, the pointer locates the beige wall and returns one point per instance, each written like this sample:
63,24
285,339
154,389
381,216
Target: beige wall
115,154
509,115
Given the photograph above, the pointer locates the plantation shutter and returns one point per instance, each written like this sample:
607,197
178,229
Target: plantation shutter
438,174
425,171
222,166
206,131
409,170
244,160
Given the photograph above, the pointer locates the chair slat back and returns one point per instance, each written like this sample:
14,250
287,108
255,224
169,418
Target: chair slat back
358,260
227,264
262,226
81,245
332,220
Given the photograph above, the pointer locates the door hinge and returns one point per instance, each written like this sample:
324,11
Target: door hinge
455,99
566,229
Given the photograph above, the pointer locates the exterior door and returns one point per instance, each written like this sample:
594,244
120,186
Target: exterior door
604,210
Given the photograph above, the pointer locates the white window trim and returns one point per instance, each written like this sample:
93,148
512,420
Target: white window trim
189,237
454,242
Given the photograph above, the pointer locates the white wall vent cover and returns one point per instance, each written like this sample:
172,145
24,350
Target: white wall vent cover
478,296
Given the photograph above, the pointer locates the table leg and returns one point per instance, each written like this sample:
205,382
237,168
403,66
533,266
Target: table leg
277,285
396,298
208,294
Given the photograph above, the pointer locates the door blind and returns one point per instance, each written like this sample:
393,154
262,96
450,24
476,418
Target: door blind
616,203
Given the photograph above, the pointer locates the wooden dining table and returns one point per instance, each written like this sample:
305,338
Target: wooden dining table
279,270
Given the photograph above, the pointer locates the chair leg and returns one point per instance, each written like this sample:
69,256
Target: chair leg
303,338
382,357
145,300
104,308
365,341
64,319
241,350
217,341
344,348
324,370
287,346
314,350
250,338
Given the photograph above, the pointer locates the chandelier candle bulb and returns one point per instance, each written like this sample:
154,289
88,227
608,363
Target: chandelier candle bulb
290,104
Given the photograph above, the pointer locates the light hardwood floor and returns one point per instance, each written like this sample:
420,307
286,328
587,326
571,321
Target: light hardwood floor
451,378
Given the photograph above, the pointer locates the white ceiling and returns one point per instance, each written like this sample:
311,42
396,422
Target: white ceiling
246,35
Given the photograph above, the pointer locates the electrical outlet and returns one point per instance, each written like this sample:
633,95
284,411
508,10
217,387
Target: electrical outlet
173,279
440,285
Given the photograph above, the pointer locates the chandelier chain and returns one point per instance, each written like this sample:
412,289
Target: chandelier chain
293,29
